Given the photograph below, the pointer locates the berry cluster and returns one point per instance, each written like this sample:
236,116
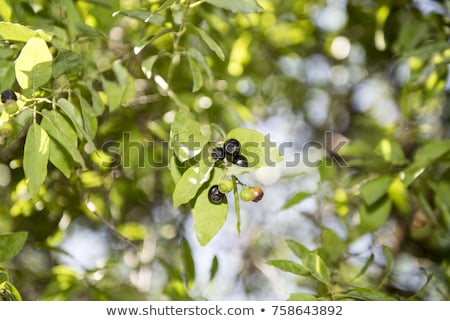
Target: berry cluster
231,152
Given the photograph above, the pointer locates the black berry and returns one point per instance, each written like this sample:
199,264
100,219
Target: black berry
218,153
215,196
240,160
8,94
232,147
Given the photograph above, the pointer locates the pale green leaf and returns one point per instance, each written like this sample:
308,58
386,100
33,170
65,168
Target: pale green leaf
191,181
208,217
298,249
11,244
34,64
17,32
113,93
237,6
302,297
289,266
197,77
133,231
147,65
35,158
8,292
373,190
60,158
431,152
314,264
210,42
258,149
186,138
97,102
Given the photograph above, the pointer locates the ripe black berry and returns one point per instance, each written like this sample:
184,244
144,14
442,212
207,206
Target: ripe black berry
240,160
232,147
215,196
8,94
218,153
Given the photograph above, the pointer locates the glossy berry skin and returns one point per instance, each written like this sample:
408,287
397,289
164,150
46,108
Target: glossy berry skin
218,153
8,94
232,147
225,186
240,160
246,194
257,193
215,196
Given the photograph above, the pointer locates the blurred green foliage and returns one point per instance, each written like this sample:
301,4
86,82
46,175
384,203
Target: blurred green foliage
99,100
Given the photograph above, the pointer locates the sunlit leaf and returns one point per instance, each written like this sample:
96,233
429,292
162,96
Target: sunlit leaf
8,292
210,42
191,181
197,77
298,249
314,264
237,6
11,244
208,217
375,215
17,32
295,199
302,297
35,158
34,64
289,266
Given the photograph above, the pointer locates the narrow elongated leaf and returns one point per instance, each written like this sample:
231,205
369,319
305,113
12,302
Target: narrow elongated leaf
214,268
197,77
147,65
373,190
289,266
186,138
76,118
365,294
208,217
34,64
11,244
97,103
298,249
63,134
191,181
8,292
302,297
210,42
146,41
295,199
188,263
366,266
237,6
88,114
431,152
196,55
60,158
35,158
389,259
17,32
314,264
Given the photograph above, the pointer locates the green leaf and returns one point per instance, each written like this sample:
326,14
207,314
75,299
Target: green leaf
208,217
210,42
237,6
191,181
146,41
256,147
295,199
214,268
59,129
366,266
67,63
76,118
314,264
17,32
188,263
302,297
35,158
365,294
375,189
147,65
298,249
34,64
196,55
11,244
8,292
113,93
97,102
88,114
186,138
197,77
126,82
166,5
392,152
237,204
389,265
60,158
289,266
144,15
332,245
374,216
431,152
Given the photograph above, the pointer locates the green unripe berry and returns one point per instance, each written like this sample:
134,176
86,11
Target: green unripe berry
246,194
6,129
11,107
225,186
